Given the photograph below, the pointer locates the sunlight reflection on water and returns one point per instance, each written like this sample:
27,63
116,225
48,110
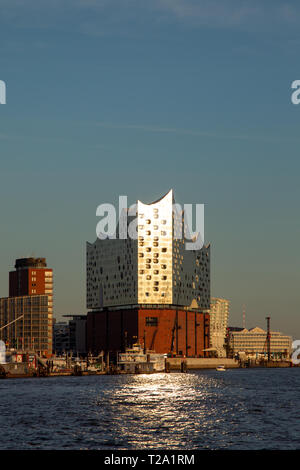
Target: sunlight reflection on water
249,409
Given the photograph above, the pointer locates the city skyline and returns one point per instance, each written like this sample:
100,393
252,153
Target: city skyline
111,98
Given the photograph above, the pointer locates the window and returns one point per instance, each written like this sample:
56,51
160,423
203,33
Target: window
151,321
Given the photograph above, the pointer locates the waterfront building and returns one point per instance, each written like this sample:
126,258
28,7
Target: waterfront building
61,338
70,336
29,306
219,313
150,288
77,334
254,342
30,323
31,277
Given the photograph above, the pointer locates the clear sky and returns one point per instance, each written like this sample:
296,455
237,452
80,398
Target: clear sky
134,97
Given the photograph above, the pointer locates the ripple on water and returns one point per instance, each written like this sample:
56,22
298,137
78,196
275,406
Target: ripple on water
243,409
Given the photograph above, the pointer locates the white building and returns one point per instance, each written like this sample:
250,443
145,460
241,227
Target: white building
219,312
254,342
154,268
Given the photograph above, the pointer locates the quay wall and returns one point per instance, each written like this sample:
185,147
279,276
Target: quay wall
201,363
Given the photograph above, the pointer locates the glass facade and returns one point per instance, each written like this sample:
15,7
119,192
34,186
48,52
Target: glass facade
29,321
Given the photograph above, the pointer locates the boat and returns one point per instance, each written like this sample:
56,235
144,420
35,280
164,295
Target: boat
136,360
221,368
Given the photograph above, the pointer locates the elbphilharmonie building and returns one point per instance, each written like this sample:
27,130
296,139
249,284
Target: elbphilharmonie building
148,285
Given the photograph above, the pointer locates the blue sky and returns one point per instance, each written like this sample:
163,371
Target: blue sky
109,97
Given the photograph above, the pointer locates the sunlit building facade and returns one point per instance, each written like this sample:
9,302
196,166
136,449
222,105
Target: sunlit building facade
254,342
219,313
155,268
149,283
29,323
26,316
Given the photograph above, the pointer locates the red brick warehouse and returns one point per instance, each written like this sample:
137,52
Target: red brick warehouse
179,332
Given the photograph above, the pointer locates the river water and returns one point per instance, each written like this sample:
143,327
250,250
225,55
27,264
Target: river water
236,409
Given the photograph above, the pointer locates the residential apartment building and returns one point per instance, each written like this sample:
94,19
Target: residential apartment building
219,313
26,315
29,323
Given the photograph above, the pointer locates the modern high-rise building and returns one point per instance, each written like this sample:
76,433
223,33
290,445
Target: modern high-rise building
26,314
219,313
29,323
149,287
31,277
153,269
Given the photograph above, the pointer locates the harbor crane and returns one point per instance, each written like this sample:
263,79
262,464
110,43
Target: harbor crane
268,338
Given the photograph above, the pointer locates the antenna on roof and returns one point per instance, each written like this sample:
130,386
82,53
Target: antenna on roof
244,316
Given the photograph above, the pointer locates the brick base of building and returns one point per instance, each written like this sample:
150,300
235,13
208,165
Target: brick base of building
179,332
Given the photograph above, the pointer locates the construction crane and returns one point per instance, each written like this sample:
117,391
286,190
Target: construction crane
175,326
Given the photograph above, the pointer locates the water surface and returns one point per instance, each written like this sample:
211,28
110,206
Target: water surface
236,409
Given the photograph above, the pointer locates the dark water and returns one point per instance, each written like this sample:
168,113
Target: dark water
236,409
